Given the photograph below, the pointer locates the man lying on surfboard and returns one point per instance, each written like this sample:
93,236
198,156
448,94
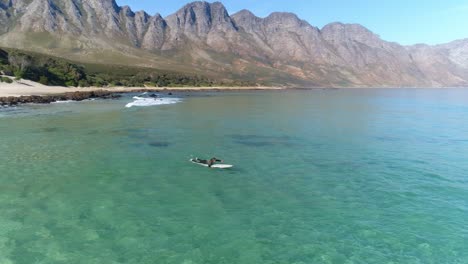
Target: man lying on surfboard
209,162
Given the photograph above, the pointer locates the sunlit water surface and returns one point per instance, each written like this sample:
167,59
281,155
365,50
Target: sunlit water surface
320,176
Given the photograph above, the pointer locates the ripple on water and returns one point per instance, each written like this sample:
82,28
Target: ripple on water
264,140
159,144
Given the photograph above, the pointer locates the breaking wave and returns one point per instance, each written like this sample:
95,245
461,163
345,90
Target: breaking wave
141,101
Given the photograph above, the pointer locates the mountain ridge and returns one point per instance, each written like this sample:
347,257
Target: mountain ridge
279,49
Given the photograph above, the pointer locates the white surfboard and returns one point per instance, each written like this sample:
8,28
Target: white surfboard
216,166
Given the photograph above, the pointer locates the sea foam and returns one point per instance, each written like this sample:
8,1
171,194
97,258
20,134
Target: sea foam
63,102
140,101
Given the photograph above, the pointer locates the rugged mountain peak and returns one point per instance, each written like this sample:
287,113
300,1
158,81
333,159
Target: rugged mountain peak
284,21
247,20
346,28
142,14
111,5
244,13
193,11
157,18
202,14
141,20
282,15
194,5
339,32
127,11
155,35
456,43
193,19
457,51
199,22
289,19
219,14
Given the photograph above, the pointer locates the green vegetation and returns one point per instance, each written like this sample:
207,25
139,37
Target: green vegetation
49,70
116,75
3,57
3,62
6,79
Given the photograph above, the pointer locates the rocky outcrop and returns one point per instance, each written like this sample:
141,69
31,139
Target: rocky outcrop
47,99
280,47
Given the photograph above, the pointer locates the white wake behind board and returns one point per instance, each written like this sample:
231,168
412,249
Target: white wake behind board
216,166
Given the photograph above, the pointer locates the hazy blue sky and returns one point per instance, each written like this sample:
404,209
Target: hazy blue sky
403,21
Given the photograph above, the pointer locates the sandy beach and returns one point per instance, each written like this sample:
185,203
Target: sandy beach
27,88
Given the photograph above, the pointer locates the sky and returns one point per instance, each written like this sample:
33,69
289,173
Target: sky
404,21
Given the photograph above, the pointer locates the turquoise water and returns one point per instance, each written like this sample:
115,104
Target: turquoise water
321,176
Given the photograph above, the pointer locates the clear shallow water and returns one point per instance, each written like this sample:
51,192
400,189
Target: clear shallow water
336,176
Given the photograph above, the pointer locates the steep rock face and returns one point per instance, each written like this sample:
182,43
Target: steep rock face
223,31
102,16
201,23
3,17
249,22
69,16
89,18
43,15
370,58
8,8
457,52
17,7
437,66
284,36
72,11
141,24
289,37
128,25
4,5
155,34
252,33
357,45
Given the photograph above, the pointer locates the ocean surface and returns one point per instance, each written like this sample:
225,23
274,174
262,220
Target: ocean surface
320,176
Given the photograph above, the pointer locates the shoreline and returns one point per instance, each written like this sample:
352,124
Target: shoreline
80,94
29,88
25,91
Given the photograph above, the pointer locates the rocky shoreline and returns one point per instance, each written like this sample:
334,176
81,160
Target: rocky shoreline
47,99
106,94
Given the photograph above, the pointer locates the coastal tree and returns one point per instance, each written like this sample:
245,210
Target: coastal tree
19,61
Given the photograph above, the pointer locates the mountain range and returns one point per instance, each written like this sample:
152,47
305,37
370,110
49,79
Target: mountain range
203,38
